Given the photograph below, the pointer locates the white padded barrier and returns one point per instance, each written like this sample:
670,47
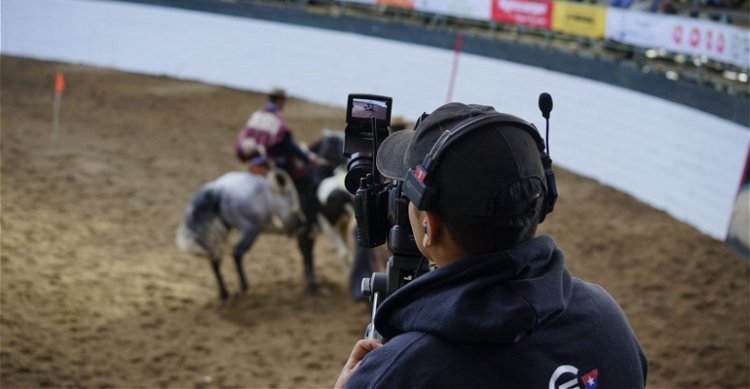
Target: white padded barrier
675,158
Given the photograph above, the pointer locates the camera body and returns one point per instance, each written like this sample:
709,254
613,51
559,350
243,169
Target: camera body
380,207
367,121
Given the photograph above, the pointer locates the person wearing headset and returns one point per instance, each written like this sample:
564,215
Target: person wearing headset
500,310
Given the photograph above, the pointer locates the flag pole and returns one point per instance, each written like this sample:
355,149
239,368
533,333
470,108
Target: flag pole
59,88
458,46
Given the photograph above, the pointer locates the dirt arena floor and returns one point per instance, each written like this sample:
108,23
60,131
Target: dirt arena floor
94,292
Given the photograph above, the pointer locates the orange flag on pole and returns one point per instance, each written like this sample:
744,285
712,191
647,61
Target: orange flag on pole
59,88
59,83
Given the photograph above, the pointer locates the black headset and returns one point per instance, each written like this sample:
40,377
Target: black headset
419,185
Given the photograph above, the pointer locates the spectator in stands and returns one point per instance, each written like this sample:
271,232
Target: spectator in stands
636,5
397,124
667,7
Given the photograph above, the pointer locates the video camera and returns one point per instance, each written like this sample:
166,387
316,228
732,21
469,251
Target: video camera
380,207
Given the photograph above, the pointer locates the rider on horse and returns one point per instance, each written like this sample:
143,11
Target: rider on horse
267,139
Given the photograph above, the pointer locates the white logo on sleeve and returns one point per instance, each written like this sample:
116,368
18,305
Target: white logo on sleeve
566,377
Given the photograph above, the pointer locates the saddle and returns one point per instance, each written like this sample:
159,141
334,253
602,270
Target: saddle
258,169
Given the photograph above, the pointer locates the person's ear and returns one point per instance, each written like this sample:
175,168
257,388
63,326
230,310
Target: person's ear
432,229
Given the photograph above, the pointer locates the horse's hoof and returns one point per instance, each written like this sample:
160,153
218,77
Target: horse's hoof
318,291
242,292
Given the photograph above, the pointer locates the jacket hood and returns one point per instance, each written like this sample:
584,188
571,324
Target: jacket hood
495,298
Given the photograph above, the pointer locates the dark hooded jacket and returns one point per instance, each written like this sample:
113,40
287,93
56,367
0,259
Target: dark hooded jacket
514,319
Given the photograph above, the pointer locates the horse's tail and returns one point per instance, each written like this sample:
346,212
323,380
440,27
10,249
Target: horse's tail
202,231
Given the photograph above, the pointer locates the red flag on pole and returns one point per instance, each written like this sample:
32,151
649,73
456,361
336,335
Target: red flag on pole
59,83
59,88
456,53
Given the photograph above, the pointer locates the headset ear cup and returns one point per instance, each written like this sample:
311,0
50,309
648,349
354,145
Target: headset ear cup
550,198
417,191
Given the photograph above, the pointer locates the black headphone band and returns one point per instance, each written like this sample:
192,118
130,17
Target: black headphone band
450,136
423,194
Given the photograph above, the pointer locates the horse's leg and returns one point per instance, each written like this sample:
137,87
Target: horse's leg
215,265
334,234
306,242
306,239
249,234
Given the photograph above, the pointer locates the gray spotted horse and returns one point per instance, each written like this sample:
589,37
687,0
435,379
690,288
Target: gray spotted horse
253,204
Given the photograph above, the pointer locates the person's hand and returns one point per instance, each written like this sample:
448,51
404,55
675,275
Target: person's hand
361,349
316,159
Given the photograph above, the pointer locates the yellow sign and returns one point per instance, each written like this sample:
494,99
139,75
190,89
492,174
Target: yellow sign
579,19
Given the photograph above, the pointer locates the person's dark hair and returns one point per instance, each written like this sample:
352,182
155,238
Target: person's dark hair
276,95
479,235
276,99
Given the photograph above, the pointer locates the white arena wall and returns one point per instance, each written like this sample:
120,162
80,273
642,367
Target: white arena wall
678,159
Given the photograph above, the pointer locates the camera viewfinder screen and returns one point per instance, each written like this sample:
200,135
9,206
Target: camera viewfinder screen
367,109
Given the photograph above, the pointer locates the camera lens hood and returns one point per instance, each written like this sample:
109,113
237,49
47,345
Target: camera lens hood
358,167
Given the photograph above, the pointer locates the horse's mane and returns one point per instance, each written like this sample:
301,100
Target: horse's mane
330,147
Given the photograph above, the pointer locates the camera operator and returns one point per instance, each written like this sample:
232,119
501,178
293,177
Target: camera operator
501,310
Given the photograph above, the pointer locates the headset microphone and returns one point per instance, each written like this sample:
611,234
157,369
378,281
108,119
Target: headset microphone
545,105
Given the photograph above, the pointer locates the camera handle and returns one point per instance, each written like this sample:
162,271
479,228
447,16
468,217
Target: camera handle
400,270
373,287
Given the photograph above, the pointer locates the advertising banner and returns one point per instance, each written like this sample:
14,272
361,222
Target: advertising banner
579,19
718,41
470,9
398,3
533,13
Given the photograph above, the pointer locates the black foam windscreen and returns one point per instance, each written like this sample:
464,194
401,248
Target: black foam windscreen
545,104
